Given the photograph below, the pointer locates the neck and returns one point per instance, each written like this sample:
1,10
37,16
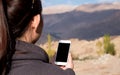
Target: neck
25,39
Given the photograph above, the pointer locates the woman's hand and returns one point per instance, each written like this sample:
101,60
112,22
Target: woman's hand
69,63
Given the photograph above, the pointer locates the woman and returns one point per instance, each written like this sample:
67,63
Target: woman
24,19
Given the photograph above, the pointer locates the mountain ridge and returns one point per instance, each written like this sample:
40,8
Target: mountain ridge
58,9
82,24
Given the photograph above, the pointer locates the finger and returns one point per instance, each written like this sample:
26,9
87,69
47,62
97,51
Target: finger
70,62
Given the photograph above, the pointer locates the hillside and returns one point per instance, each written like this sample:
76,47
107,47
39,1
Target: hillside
98,7
89,62
58,9
84,48
87,22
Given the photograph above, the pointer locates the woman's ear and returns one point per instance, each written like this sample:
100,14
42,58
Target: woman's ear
35,21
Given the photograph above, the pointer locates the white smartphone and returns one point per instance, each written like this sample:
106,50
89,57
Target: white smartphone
62,52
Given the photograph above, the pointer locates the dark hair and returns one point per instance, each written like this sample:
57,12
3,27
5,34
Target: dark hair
4,39
3,33
20,13
15,16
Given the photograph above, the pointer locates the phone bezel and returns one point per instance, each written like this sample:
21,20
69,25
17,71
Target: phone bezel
60,62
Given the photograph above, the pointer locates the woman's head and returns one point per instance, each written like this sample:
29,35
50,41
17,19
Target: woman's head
17,17
20,14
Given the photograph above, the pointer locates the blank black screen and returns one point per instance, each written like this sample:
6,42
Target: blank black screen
62,52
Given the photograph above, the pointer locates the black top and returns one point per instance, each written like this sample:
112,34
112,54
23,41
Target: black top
30,59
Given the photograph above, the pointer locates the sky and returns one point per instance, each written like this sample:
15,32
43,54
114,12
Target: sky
47,3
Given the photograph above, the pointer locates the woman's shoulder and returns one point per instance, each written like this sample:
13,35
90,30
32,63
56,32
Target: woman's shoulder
39,68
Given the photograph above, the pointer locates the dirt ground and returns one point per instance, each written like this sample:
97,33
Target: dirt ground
105,65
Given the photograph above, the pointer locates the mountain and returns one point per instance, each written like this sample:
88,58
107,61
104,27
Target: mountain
88,22
58,9
98,7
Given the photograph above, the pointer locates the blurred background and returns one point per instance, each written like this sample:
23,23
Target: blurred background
93,26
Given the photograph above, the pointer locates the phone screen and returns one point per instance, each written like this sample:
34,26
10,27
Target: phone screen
62,52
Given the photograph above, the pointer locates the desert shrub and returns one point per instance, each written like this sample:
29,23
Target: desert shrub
75,56
106,47
50,51
101,50
87,58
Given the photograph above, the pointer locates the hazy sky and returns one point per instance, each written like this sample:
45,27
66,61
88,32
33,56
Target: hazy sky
73,2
